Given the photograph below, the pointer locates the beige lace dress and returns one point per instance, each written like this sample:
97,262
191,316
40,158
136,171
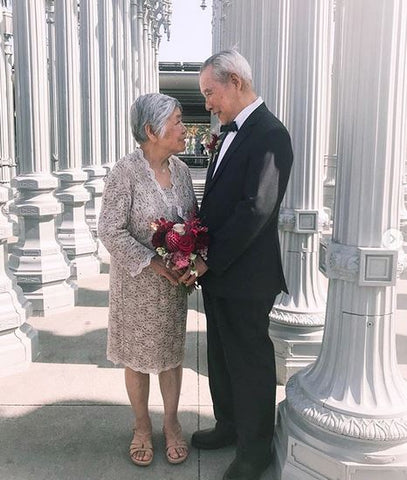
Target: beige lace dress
147,315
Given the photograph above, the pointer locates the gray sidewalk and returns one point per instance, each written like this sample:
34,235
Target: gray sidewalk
68,417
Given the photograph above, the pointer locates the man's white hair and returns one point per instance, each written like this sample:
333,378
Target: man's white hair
227,62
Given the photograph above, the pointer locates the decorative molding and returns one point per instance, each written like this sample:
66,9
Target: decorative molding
378,267
302,221
305,319
286,219
306,221
362,428
342,262
370,267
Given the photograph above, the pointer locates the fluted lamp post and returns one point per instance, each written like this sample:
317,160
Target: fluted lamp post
41,268
345,417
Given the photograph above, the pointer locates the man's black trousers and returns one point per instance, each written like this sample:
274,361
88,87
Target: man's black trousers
241,367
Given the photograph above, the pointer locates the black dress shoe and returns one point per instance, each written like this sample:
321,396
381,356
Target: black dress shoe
241,469
213,438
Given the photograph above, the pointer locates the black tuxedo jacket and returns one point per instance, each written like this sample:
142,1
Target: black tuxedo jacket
240,207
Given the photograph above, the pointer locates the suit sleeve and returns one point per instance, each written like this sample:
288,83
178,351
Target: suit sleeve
259,204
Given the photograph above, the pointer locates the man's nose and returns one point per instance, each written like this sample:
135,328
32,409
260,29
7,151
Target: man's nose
208,106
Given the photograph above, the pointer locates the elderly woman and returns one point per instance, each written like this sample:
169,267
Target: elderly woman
148,306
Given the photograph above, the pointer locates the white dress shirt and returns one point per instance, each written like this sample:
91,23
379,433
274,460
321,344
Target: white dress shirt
240,119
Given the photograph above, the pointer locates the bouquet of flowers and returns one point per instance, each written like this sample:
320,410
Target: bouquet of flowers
180,243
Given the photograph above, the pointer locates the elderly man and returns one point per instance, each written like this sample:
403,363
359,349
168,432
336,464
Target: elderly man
242,275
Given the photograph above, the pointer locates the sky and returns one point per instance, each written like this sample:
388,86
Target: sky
191,37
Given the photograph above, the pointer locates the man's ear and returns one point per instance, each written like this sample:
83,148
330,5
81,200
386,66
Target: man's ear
236,81
150,133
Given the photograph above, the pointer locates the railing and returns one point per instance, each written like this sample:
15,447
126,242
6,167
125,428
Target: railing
194,160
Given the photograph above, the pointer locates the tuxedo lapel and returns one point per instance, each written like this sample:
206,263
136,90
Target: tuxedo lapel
241,135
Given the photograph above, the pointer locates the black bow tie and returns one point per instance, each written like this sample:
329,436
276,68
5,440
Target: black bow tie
229,127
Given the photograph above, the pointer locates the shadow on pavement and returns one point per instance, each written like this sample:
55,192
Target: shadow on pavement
92,298
90,349
71,441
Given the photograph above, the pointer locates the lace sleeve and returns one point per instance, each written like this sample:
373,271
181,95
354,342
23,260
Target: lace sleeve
113,223
185,191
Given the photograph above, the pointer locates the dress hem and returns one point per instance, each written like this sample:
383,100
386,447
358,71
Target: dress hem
118,362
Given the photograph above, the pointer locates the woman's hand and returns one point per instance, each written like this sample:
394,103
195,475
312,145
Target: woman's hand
159,267
190,275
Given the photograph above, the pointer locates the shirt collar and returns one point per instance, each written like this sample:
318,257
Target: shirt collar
247,111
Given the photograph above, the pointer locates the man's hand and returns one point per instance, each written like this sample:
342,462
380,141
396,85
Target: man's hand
159,267
190,276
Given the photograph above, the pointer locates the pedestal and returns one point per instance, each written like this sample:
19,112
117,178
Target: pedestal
18,340
37,260
73,232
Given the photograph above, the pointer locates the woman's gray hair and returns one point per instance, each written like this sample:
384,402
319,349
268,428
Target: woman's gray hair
227,62
152,109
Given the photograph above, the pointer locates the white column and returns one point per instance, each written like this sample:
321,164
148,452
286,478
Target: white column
120,91
216,26
37,259
73,232
4,117
135,49
7,134
107,85
146,66
297,319
18,340
150,50
403,193
91,111
345,417
141,47
52,83
127,73
331,156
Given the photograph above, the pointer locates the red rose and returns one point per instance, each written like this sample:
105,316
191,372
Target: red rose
172,239
186,244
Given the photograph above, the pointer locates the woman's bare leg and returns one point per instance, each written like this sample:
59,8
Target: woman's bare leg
170,385
138,389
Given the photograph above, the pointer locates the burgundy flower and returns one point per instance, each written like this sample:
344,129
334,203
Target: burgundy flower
186,244
158,239
172,240
212,145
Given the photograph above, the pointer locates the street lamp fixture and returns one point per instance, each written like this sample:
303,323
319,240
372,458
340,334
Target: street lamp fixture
203,4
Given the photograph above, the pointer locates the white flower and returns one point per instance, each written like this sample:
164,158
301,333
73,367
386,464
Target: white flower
161,251
179,228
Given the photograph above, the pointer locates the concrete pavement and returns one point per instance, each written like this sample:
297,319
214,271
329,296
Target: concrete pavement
67,417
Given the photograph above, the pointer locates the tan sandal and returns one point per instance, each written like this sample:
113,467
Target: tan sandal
176,442
141,443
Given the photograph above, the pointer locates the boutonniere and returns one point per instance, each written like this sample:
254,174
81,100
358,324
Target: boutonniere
213,146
